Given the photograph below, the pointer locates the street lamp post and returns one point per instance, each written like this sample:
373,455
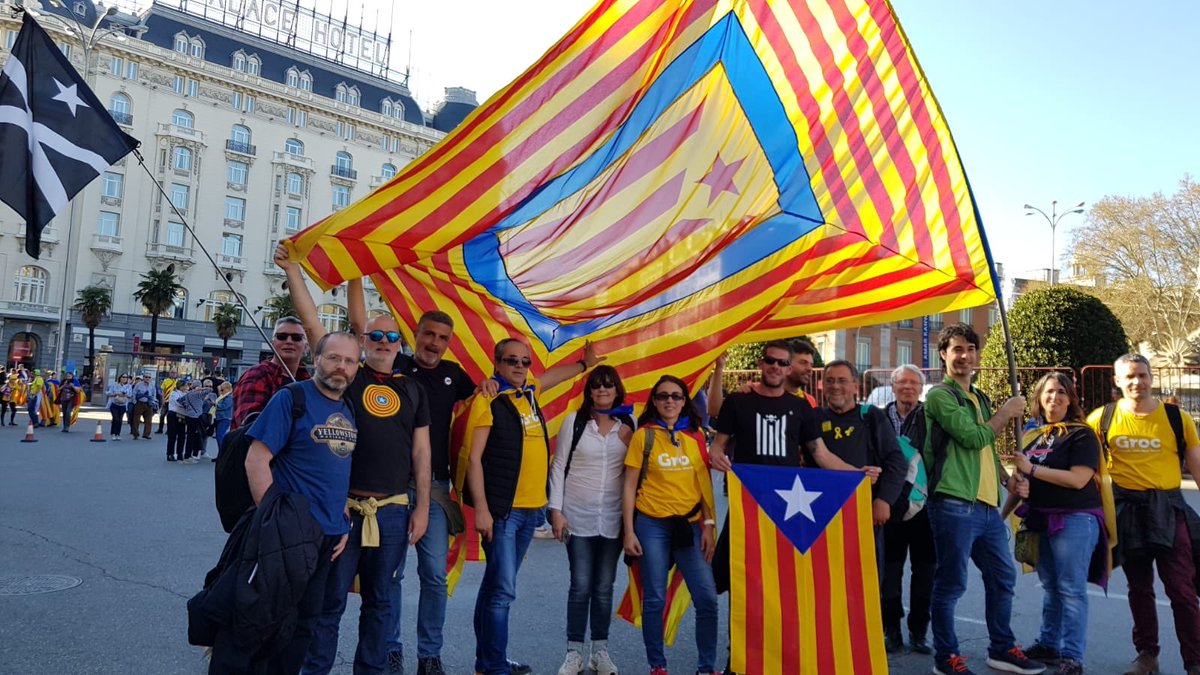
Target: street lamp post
1053,219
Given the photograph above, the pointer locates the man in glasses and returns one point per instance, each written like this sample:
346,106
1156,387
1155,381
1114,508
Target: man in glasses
392,416
257,385
506,477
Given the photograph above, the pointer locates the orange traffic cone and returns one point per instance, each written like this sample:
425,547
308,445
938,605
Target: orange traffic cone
99,437
29,434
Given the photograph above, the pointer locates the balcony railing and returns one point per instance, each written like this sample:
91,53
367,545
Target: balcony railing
292,160
235,262
106,242
166,129
28,309
122,118
167,251
343,172
238,146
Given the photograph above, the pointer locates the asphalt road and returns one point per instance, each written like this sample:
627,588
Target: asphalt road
139,535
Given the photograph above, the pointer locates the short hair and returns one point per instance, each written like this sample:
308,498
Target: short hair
1132,357
320,348
845,364
499,350
290,321
804,347
908,368
436,316
778,344
1074,409
957,330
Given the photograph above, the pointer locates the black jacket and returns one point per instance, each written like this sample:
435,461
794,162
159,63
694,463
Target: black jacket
1146,522
502,456
254,591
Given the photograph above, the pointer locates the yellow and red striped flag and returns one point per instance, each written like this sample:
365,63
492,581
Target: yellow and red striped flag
677,601
672,177
804,587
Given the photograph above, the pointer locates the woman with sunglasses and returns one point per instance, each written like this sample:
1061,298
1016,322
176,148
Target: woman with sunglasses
586,483
668,514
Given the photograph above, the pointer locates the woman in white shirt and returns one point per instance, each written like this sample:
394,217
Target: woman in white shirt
586,481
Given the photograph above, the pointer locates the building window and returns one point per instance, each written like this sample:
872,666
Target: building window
862,353
306,81
936,322
177,84
119,103
231,244
179,196
248,103
341,93
30,285
332,317
131,70
295,184
341,196
215,300
237,172
235,208
183,118
175,232
386,107
352,96
239,61
387,171
343,161
181,43
293,147
10,37
993,317
181,158
254,65
302,118
197,48
193,88
964,315
239,134
293,78
116,65
113,185
65,48
904,323
293,219
903,352
108,224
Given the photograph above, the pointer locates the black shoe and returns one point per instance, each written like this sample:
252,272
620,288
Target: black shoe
1040,652
917,644
1015,661
395,659
170,459
893,641
430,666
952,665
515,668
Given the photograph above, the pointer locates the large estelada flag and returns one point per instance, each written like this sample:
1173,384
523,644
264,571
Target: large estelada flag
671,177
55,135
804,588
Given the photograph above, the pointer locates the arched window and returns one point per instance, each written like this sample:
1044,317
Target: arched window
239,61
254,65
183,118
352,96
386,107
181,158
332,317
341,93
197,47
344,162
177,309
387,171
398,110
30,285
215,300
182,44
306,81
293,78
293,146
295,184
119,103
239,134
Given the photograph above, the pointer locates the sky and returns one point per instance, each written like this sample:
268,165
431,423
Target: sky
1069,100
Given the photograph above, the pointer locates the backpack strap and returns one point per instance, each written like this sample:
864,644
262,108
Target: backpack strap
1106,419
648,443
1175,417
938,439
577,429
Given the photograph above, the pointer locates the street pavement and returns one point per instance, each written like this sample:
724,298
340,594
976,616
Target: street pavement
140,533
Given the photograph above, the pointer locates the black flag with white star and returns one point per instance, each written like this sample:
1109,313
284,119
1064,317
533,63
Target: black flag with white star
55,135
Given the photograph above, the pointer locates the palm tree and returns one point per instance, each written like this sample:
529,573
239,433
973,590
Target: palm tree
92,304
227,317
279,306
156,291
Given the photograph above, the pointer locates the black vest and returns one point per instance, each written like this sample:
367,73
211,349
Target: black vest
502,455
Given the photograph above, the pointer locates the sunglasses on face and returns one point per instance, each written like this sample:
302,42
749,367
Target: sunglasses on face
771,361
378,336
514,361
669,396
603,385
294,337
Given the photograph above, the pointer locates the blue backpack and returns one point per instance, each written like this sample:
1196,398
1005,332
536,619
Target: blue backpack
916,483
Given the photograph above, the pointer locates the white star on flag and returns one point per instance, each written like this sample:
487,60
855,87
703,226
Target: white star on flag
69,96
798,500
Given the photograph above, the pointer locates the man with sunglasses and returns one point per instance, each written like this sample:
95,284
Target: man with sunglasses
392,416
257,385
506,478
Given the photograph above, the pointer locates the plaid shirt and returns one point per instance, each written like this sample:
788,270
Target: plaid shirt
257,385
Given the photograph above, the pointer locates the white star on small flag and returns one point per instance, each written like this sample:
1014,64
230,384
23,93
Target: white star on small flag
798,500
69,96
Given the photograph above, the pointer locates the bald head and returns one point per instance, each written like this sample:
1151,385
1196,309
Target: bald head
381,342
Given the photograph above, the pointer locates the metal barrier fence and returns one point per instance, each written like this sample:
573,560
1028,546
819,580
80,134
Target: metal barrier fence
1179,385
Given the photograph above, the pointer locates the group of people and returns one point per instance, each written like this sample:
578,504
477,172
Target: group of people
48,399
365,439
190,410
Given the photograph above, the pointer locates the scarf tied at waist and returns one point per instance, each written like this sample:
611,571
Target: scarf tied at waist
367,507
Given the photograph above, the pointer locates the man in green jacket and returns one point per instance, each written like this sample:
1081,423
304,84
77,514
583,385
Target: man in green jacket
965,479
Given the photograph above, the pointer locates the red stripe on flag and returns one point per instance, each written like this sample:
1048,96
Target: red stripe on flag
856,612
789,609
753,637
819,554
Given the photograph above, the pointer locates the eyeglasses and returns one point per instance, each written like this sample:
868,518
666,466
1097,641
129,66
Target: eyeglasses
782,363
514,361
339,361
294,337
669,396
603,385
378,336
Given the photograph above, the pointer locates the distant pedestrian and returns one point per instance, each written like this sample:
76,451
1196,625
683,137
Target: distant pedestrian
145,402
176,438
224,413
194,406
8,395
165,389
69,398
116,399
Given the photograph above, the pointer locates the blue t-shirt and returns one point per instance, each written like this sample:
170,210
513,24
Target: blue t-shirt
312,456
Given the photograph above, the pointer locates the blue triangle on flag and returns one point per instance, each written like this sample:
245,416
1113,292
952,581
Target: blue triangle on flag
800,502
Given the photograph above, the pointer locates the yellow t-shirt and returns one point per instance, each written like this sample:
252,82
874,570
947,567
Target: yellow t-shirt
1142,448
531,483
989,482
677,478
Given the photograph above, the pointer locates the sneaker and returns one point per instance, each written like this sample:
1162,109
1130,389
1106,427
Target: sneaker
544,532
572,664
171,459
1146,663
952,665
1042,653
515,668
1071,667
396,663
1015,661
430,666
602,663
893,641
917,644
658,670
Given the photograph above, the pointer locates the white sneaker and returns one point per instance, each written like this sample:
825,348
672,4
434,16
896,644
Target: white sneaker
573,664
544,532
602,664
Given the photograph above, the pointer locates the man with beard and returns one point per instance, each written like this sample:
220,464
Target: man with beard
804,355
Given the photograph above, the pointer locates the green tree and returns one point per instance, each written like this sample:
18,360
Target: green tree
279,306
92,303
156,291
744,355
227,317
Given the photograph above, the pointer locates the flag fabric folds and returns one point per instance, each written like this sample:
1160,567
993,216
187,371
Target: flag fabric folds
804,588
677,602
55,135
672,177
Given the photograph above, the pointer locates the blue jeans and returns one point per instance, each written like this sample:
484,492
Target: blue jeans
374,567
431,569
222,429
31,407
657,556
510,540
1063,561
593,563
975,531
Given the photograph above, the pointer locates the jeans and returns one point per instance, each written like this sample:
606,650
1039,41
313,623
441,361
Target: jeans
510,540
1177,570
31,407
657,556
221,430
593,563
194,436
175,434
374,567
431,569
1063,561
118,415
902,540
970,530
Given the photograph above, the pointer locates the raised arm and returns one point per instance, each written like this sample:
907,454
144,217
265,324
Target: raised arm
306,308
356,306
568,371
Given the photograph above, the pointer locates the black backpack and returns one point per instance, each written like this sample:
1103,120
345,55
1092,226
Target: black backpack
939,440
232,487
